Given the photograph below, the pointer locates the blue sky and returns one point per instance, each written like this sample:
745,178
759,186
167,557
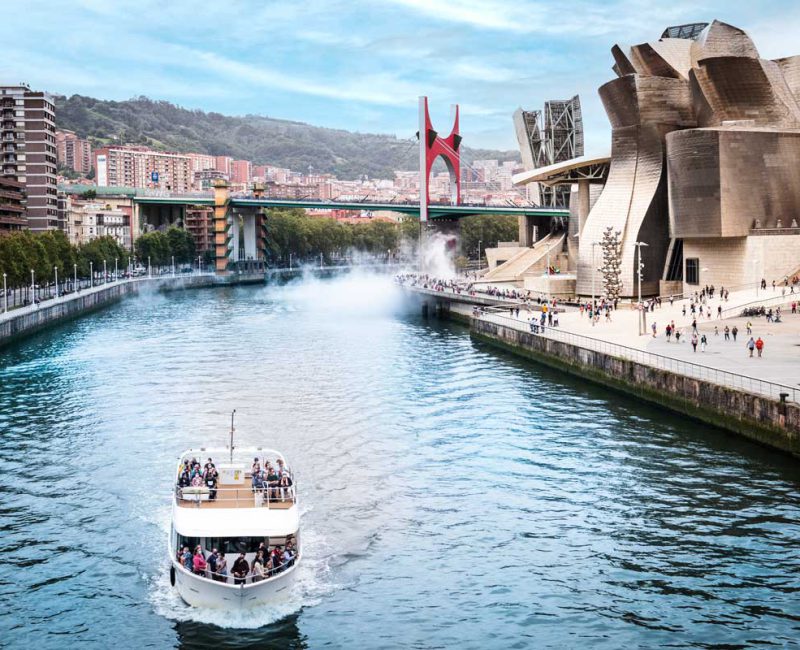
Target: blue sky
358,65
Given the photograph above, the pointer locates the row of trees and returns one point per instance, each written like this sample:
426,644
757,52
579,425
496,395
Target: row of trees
23,251
162,247
293,231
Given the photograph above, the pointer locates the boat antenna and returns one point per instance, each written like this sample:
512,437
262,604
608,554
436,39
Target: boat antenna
232,430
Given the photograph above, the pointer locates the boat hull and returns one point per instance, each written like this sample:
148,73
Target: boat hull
202,592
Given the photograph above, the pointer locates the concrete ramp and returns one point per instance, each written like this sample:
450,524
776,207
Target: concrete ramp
528,261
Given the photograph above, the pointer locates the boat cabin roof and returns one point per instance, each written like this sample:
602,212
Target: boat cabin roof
232,522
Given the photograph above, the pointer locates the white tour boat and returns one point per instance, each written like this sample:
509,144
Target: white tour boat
231,513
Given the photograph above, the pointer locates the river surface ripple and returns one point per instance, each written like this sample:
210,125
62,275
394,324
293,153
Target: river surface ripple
452,496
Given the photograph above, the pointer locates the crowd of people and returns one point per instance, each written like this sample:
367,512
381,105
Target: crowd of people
273,481
191,474
266,563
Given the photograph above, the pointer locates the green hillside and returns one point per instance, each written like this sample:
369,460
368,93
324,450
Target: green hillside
263,140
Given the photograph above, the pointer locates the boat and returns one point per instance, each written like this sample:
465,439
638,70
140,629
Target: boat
231,514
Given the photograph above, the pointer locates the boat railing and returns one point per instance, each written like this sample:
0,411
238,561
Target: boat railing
244,496
249,579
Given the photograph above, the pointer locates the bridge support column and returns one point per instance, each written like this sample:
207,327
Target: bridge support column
249,231
222,225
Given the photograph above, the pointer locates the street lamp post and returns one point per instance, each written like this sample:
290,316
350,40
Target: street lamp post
116,269
33,286
320,260
105,272
75,277
198,265
55,270
5,294
290,261
639,267
173,266
91,275
480,242
594,244
149,268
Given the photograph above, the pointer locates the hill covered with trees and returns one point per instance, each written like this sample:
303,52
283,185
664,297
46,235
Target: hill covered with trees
261,139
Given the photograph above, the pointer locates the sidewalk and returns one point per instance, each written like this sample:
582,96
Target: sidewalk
779,364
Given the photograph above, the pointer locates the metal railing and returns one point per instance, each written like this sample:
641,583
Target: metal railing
245,496
724,378
229,578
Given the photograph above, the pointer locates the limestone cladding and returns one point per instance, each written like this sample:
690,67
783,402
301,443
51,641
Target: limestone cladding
736,262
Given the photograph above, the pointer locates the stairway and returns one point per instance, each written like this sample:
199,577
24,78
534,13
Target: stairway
521,263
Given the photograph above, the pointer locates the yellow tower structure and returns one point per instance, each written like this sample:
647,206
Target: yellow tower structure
221,226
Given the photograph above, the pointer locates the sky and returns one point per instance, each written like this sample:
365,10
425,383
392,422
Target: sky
358,65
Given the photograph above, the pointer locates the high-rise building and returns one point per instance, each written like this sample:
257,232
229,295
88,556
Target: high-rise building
28,145
223,164
73,152
241,171
201,161
142,167
12,204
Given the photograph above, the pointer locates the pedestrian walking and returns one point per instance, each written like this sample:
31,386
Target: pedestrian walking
749,328
719,312
694,342
653,327
703,342
727,332
751,345
759,345
734,331
668,332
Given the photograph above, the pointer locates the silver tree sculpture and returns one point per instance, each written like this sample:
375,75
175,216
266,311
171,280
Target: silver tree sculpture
612,263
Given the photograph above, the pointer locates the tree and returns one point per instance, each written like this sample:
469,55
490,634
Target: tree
181,245
488,229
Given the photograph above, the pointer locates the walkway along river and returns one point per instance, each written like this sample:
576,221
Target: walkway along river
454,496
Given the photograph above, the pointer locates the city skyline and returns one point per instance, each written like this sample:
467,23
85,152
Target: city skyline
354,65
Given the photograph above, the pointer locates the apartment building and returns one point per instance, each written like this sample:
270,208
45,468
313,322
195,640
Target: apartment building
241,171
88,220
28,151
73,152
12,204
131,166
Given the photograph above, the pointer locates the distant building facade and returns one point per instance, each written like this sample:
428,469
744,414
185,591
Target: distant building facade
73,152
88,220
28,146
131,166
241,171
12,204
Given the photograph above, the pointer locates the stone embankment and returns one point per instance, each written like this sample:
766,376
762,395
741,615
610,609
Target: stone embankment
27,320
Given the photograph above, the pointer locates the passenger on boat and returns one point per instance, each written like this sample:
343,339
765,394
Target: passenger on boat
208,466
259,570
187,558
213,560
277,559
222,568
273,481
211,483
290,551
256,466
197,480
199,564
185,479
240,570
257,480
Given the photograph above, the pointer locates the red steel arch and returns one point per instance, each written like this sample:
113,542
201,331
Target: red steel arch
431,146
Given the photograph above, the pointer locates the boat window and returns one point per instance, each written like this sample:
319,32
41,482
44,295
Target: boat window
235,544
191,542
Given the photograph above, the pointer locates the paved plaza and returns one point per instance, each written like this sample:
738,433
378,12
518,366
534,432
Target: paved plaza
781,354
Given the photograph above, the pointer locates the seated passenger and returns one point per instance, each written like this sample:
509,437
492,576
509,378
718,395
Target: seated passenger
256,467
258,482
184,480
197,480
272,482
208,466
292,552
211,483
288,557
277,559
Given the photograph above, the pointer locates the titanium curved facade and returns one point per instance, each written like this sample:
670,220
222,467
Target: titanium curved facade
705,150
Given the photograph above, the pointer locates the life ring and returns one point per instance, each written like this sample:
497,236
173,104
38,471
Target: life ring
172,575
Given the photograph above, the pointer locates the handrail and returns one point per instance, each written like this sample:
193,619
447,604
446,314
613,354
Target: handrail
227,577
199,494
688,368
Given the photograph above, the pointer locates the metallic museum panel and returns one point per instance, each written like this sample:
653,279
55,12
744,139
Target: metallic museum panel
722,40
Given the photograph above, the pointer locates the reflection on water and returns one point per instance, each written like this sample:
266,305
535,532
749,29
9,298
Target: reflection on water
452,496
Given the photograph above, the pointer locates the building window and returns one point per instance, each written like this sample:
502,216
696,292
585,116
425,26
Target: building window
692,270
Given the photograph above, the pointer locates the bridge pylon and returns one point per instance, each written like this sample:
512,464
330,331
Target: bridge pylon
432,146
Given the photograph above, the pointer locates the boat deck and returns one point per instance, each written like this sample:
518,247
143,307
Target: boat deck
236,496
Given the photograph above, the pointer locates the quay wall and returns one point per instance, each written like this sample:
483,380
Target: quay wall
756,417
54,312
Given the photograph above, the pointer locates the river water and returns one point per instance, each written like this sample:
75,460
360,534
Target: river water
452,496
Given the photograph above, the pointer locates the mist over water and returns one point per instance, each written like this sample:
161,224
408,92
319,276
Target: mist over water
451,496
